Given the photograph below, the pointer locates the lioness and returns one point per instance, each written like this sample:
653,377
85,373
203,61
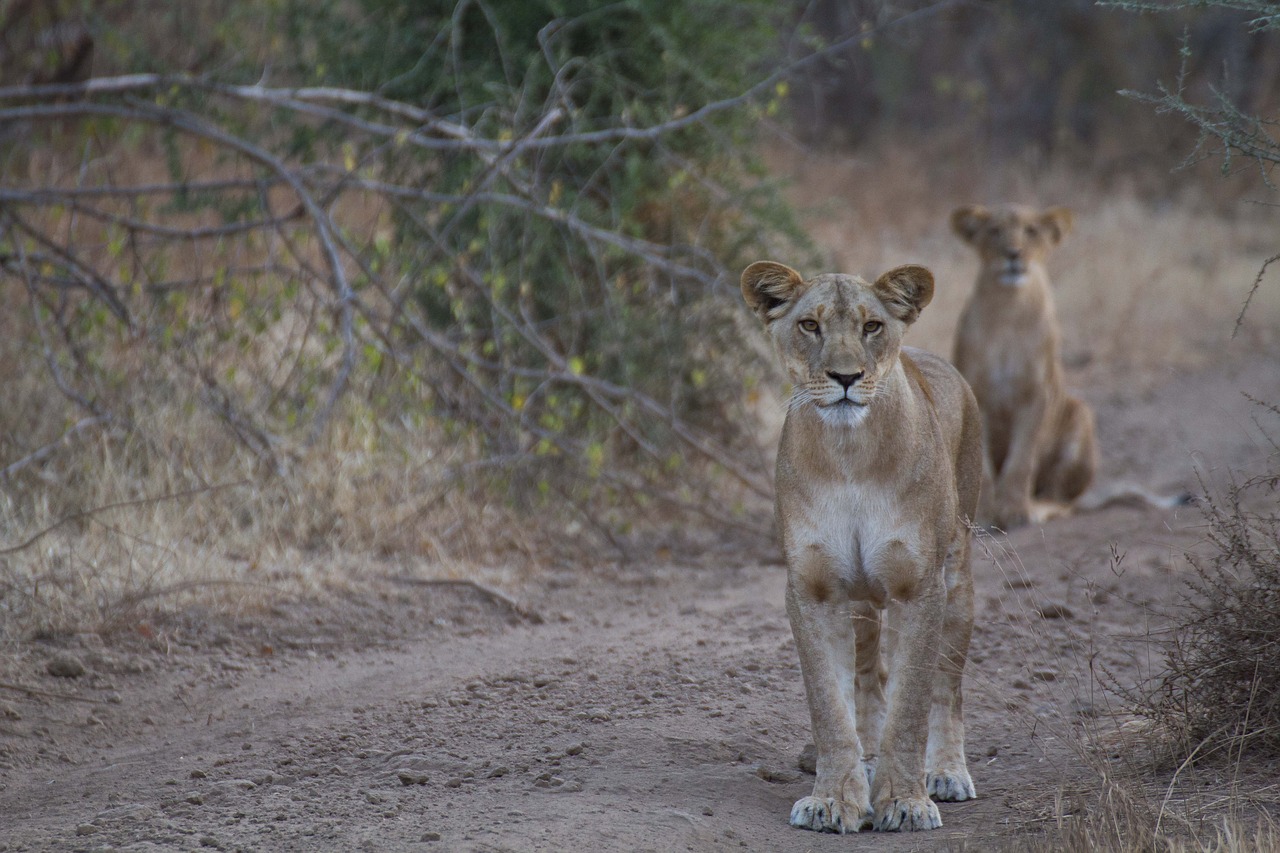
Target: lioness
878,469
1041,454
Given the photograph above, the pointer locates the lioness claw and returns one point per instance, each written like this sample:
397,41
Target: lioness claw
950,786
825,814
907,815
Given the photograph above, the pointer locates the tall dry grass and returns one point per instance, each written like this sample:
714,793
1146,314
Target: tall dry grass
1144,284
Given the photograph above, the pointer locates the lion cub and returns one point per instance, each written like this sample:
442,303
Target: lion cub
878,470
1041,454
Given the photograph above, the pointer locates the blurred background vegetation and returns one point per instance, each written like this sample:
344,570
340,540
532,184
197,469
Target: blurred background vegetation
457,281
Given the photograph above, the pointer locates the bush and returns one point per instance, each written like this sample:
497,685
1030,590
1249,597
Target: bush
515,225
1221,688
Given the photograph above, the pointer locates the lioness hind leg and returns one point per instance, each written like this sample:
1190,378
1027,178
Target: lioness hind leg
947,778
1070,459
825,640
869,685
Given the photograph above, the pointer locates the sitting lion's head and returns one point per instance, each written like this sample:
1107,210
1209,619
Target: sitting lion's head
1011,238
837,335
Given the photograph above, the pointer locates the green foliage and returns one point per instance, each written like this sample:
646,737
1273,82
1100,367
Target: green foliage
511,266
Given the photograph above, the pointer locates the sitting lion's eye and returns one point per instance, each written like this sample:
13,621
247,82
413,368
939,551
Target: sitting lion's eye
1032,231
810,326
871,326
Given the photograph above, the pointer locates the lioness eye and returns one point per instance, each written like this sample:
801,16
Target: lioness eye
872,326
810,326
1032,231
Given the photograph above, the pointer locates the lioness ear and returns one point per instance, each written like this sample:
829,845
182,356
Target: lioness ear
968,221
1057,221
767,285
905,291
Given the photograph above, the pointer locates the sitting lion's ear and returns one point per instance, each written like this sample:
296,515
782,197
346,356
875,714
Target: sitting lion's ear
1057,222
767,286
905,291
968,221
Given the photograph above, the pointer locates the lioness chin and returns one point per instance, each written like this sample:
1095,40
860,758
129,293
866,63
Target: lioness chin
878,471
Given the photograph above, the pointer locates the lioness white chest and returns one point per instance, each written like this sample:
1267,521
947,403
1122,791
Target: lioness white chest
859,532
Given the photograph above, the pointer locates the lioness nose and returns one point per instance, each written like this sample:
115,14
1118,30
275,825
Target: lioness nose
845,379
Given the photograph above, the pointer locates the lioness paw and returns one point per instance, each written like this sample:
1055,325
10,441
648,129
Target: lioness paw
950,786
907,814
824,814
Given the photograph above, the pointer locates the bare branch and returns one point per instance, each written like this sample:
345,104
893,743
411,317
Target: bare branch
45,452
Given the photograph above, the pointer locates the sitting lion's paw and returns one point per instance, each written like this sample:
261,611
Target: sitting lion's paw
1009,517
950,785
907,814
824,814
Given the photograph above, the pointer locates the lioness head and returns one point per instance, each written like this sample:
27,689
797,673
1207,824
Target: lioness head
1012,237
837,335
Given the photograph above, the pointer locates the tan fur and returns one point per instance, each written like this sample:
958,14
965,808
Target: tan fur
878,470
1041,451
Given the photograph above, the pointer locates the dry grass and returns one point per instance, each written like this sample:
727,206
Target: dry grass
1117,821
1144,287
103,523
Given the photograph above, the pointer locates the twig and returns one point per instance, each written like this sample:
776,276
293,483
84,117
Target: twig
1257,282
495,595
48,694
47,451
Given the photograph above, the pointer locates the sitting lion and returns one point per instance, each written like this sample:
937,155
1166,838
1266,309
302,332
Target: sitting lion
1041,453
878,470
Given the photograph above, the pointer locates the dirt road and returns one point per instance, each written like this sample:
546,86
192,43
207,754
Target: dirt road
649,706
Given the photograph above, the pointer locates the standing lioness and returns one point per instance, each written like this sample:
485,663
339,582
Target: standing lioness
878,471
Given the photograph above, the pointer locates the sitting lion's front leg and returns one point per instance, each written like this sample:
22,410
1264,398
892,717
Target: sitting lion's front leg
824,634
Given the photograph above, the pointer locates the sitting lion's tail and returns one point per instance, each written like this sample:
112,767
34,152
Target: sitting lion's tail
1129,494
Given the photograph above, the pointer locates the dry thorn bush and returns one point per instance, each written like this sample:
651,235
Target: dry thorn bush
1219,697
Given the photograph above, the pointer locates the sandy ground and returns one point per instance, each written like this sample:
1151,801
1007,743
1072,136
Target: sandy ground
639,707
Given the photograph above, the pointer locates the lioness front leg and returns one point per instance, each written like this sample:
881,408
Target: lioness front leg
898,794
823,630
